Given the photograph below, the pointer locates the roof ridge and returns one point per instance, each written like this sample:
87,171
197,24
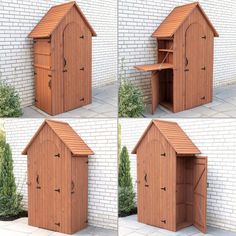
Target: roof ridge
65,3
188,4
56,121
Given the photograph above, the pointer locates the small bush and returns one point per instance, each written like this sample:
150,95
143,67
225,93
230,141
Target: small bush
10,199
126,192
9,101
131,102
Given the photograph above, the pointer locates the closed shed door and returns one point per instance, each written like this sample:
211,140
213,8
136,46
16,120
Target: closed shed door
195,68
74,49
148,184
48,187
200,192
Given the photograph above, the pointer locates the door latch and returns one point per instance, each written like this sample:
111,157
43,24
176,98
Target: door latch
82,99
204,37
82,36
164,189
204,68
163,221
50,84
163,154
57,155
203,98
82,68
58,224
57,190
186,70
72,187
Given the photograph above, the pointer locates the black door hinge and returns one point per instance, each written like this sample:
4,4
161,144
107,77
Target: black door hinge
186,70
86,222
57,155
82,36
203,98
163,221
58,224
35,73
204,68
35,100
82,68
57,190
38,187
163,154
204,37
87,162
164,189
82,99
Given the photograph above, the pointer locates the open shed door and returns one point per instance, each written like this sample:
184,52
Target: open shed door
200,193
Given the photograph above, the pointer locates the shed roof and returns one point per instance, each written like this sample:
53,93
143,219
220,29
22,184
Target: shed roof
67,135
175,136
52,19
176,18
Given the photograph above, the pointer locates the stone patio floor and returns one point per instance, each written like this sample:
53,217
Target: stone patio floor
223,105
20,227
105,100
128,226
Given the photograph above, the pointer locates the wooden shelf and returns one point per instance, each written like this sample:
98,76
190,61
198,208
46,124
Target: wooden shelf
154,67
166,50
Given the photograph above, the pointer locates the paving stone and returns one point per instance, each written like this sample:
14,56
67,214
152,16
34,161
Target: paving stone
21,228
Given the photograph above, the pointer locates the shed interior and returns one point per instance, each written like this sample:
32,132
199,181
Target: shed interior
184,191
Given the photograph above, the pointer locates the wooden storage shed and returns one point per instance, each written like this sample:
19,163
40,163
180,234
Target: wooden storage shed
171,178
63,59
57,178
182,78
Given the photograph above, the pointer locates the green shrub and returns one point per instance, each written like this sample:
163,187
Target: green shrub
9,101
131,103
126,192
10,199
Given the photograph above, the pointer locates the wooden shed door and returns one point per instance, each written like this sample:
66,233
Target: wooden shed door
48,185
74,68
200,193
148,185
195,68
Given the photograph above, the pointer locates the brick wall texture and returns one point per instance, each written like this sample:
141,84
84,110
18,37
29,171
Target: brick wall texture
101,136
216,138
138,19
18,18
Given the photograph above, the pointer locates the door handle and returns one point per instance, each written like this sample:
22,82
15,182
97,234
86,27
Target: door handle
72,187
186,61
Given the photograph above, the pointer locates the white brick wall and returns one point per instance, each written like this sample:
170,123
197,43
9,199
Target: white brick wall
17,19
101,136
138,19
216,138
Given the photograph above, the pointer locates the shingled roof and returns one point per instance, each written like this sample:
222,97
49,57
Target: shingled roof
176,18
52,19
174,135
67,135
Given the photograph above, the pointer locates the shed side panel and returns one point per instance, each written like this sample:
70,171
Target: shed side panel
58,61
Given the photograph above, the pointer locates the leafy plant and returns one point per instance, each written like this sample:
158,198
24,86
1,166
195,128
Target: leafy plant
126,192
131,103
9,101
10,199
